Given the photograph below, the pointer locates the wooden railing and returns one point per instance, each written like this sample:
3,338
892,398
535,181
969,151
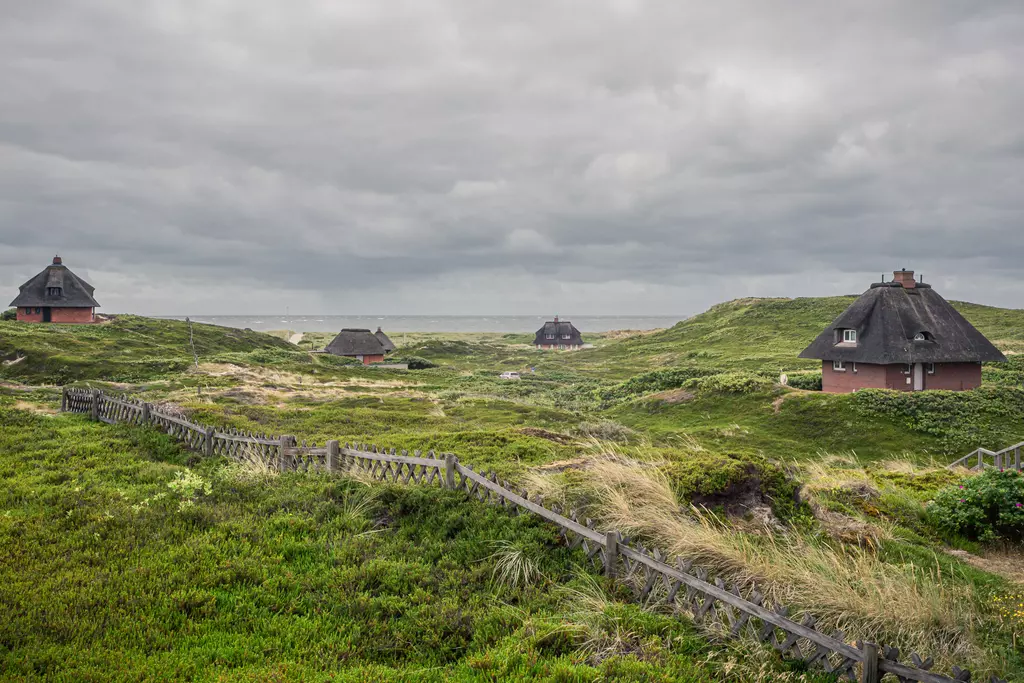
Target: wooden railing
653,577
1008,459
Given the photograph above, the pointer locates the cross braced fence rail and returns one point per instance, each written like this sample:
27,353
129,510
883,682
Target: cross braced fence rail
727,609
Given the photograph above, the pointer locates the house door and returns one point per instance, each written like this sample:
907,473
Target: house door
46,314
918,376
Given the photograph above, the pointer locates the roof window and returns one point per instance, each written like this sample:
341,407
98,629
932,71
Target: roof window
848,336
923,336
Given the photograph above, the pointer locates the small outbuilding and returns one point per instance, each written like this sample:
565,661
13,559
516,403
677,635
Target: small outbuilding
558,334
384,341
56,295
360,344
901,335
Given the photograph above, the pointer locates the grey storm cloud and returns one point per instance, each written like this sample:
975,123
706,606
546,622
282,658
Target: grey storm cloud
468,156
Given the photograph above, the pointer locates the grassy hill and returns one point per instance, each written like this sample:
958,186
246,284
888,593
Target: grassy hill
128,349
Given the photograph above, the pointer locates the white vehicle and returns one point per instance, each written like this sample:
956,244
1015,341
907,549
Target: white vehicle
510,375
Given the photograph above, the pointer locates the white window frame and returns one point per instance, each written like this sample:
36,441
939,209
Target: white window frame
549,336
854,367
838,366
908,369
566,336
849,336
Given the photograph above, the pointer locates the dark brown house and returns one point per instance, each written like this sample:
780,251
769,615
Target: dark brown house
901,335
56,295
557,334
384,341
360,344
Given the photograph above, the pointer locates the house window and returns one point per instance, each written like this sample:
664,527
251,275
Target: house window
565,336
850,336
922,336
39,310
931,368
53,291
549,336
838,366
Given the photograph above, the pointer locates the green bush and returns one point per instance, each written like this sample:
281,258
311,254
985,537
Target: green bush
809,381
730,383
656,380
415,362
987,507
9,314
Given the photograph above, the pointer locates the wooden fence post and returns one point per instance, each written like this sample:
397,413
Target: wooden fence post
145,413
869,667
94,409
208,442
332,456
611,553
1016,458
63,399
449,470
282,463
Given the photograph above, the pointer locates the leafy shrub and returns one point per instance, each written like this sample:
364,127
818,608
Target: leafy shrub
415,362
809,381
9,314
729,383
656,380
331,359
986,507
963,419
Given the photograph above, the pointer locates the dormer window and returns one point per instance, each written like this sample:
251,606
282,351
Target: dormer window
849,336
549,336
566,336
53,291
923,336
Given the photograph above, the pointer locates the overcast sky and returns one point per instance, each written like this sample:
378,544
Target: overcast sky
495,157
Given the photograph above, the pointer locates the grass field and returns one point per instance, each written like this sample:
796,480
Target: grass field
818,497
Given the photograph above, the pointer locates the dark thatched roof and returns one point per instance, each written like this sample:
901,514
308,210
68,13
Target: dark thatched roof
563,331
895,324
385,342
73,291
353,342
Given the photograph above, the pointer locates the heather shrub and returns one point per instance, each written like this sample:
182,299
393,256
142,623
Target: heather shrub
988,507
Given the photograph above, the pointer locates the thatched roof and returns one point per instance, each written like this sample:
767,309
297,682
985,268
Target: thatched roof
355,342
563,331
72,291
899,324
385,342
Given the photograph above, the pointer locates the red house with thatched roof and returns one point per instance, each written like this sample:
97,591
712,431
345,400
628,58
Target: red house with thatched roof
901,335
56,295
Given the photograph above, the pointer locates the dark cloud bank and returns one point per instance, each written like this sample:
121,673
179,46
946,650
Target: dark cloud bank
470,156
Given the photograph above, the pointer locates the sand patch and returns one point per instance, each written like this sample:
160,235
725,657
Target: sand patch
674,396
35,408
1006,564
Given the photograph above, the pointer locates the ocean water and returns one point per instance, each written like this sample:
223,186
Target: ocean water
433,323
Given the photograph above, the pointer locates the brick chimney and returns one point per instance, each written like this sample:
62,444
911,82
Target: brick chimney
556,318
57,261
905,278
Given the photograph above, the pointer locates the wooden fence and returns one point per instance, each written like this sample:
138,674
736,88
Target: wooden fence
1008,458
655,579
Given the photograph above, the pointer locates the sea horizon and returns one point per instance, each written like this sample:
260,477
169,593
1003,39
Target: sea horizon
432,323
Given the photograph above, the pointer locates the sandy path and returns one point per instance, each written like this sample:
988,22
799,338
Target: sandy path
296,338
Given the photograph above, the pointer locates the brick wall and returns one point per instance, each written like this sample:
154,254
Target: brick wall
71,315
948,376
954,377
57,315
372,359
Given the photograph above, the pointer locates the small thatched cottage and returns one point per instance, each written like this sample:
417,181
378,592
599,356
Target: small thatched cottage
384,341
360,344
561,335
56,295
901,335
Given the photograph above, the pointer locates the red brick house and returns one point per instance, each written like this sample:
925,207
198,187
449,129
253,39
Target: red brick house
561,335
56,295
901,335
360,344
